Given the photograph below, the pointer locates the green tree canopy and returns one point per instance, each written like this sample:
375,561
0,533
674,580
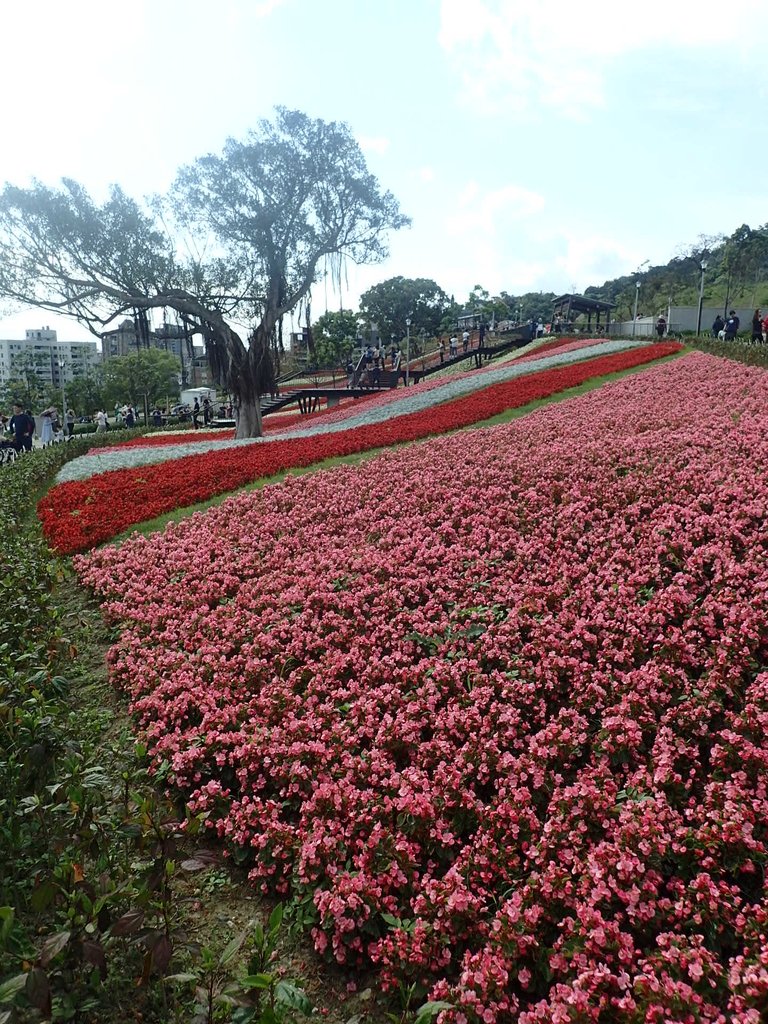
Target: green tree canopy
243,235
334,334
149,373
390,303
85,395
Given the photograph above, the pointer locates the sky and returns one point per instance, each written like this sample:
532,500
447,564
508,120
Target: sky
538,145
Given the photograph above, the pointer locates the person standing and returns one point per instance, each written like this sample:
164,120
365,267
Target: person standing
70,418
757,327
101,422
46,433
717,326
441,350
453,345
465,340
196,415
206,410
732,326
22,426
661,326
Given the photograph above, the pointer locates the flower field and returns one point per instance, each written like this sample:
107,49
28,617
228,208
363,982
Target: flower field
78,514
499,726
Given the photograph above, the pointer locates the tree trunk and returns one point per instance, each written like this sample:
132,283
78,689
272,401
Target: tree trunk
248,416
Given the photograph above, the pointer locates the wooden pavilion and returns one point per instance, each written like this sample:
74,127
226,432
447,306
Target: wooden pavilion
568,307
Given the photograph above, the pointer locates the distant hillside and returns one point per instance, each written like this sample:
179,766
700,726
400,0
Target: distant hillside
736,274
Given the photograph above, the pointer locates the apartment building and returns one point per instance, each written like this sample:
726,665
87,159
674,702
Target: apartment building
54,362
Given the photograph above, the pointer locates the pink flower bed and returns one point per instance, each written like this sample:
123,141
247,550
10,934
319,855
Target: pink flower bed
493,709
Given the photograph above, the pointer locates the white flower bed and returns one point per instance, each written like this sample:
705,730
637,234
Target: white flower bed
413,400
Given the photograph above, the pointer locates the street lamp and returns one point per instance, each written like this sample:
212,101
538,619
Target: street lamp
703,265
634,318
407,351
62,364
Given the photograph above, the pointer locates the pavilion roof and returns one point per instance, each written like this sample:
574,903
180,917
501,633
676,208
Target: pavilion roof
582,304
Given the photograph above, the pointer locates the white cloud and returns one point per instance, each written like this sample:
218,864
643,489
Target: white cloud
491,213
373,144
516,55
266,7
591,260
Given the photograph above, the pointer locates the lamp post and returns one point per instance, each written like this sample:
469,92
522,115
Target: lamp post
407,351
634,317
703,265
62,364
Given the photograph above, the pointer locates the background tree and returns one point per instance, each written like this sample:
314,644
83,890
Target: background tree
86,394
27,381
334,334
149,374
390,303
493,308
242,236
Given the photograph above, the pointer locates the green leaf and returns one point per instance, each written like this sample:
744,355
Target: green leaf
258,981
428,1011
232,947
276,918
11,988
53,946
293,997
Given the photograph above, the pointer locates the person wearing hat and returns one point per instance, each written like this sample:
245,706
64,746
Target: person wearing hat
22,426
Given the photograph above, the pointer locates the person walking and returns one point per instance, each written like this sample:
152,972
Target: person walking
46,433
22,426
757,327
732,326
196,415
101,422
70,418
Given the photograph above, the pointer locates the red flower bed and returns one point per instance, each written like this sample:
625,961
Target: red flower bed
80,514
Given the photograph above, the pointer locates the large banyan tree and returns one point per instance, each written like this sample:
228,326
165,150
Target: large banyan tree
240,238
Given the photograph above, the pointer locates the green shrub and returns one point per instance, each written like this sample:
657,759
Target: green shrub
742,351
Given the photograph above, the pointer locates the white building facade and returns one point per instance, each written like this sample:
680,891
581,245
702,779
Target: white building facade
54,362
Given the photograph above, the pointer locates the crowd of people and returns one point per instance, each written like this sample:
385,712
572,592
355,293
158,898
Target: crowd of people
728,329
19,430
373,363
